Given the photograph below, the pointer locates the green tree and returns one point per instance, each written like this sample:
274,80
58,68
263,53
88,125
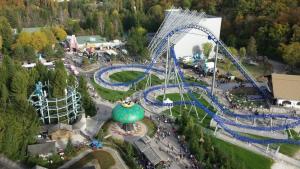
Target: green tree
70,149
207,47
1,42
136,43
242,53
3,95
87,102
296,33
19,87
6,33
59,80
291,53
186,4
48,52
251,47
59,51
233,51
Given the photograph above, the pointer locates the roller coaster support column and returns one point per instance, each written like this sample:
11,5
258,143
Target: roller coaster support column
278,148
215,66
167,69
216,129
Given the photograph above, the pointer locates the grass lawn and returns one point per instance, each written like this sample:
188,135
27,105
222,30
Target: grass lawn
287,149
104,158
251,160
176,110
113,95
152,128
125,76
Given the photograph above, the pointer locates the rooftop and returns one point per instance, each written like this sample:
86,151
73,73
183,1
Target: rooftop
90,39
44,148
286,86
144,145
31,30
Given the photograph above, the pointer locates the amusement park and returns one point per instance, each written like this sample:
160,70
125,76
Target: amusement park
193,103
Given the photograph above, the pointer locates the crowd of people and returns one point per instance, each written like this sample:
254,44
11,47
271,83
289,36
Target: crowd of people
173,144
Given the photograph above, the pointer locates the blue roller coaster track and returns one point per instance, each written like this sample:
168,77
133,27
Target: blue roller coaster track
221,121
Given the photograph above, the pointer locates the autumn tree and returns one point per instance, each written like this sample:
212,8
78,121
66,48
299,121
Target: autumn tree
39,40
50,35
24,38
59,33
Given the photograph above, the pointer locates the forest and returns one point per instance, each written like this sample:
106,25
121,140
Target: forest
272,24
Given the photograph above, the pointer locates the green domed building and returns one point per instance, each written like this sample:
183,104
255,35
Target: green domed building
127,114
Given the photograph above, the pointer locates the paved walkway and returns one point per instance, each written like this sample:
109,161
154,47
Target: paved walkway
120,164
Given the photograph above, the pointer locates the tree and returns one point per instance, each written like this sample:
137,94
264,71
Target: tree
70,149
291,53
59,51
59,80
24,38
87,102
233,51
48,52
59,33
39,40
242,53
296,33
207,47
6,33
251,48
3,95
50,35
19,87
136,43
1,42
186,4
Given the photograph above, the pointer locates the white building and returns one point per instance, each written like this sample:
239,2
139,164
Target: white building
286,90
93,41
192,41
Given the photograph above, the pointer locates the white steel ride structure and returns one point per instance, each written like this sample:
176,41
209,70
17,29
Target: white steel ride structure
56,110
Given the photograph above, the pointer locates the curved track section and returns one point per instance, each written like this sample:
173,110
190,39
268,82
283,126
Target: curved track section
221,121
101,77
